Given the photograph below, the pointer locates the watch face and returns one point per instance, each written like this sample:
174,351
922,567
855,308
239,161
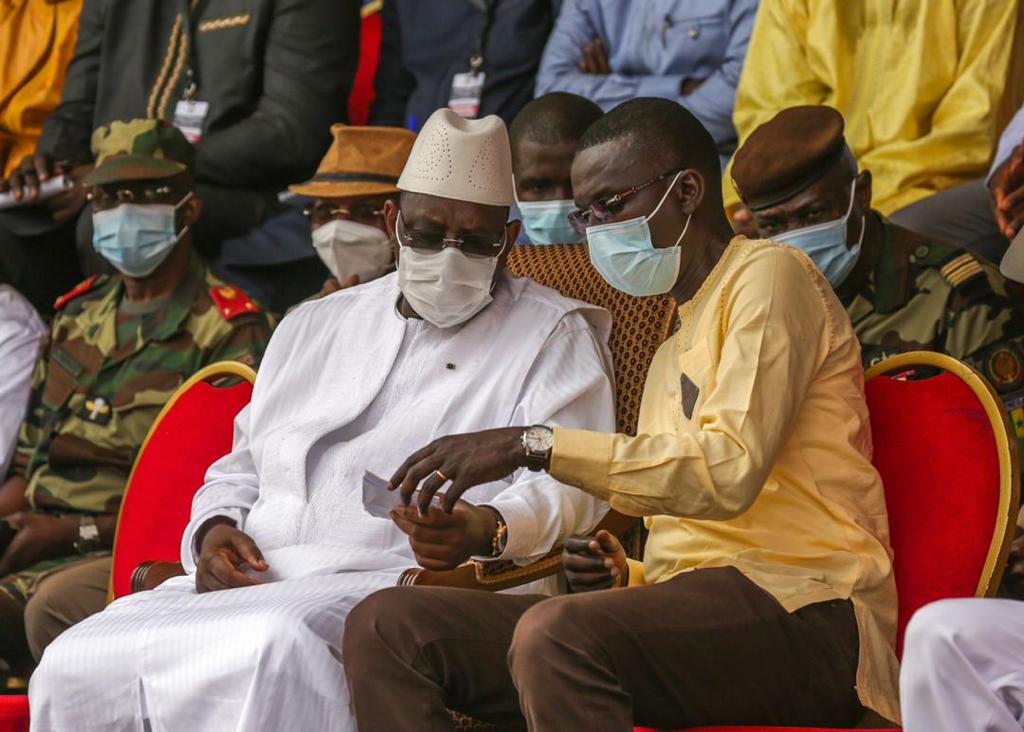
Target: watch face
538,439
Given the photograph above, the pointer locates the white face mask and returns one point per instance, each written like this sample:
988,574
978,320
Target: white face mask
445,288
351,248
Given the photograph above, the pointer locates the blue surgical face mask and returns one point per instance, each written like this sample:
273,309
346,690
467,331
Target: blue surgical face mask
547,222
825,244
627,259
135,237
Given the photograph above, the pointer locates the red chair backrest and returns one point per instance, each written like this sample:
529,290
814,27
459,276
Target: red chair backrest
937,451
363,93
186,439
13,713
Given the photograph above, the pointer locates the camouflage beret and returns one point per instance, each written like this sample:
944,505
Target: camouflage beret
139,149
787,154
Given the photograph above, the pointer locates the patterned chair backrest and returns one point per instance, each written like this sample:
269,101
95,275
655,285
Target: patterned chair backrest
639,324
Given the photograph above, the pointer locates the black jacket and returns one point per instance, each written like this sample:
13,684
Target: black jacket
426,42
276,73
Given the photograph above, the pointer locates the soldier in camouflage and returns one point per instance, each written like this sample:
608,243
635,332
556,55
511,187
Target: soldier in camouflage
902,291
119,347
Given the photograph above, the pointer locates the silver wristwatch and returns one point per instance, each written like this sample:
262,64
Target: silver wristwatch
88,535
537,442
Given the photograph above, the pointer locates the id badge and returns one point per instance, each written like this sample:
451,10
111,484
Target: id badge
189,117
467,89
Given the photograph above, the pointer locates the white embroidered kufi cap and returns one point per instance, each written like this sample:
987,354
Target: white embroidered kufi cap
464,159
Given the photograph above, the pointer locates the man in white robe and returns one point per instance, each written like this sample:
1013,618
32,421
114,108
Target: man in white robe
279,547
963,667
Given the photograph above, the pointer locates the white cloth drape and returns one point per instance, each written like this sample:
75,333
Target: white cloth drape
346,385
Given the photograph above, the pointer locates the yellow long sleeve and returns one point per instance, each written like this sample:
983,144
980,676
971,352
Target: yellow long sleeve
925,86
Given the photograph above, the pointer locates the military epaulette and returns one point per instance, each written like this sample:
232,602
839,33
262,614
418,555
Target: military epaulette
961,269
79,289
232,302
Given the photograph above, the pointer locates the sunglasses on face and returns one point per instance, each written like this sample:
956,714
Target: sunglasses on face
105,198
606,209
364,213
473,245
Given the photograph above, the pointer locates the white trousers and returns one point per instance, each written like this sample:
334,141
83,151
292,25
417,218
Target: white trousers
254,658
963,667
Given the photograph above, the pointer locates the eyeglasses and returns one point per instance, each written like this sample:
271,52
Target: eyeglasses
472,245
606,209
365,213
106,198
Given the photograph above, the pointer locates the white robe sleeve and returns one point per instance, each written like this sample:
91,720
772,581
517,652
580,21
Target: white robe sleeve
230,490
21,330
570,384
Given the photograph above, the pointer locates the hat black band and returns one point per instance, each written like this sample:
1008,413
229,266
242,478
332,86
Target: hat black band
801,185
354,178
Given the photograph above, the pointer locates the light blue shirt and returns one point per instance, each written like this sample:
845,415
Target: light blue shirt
1012,136
652,46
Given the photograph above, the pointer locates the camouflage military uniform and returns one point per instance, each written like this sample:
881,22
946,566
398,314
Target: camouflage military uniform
103,380
927,295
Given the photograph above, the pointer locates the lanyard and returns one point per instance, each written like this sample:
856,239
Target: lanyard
476,61
192,64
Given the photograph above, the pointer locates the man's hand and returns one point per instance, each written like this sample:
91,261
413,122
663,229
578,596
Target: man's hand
331,285
67,204
40,536
443,541
465,460
594,562
223,551
25,181
33,170
595,59
1008,193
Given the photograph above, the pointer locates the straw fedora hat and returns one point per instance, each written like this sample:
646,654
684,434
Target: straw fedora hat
463,159
362,161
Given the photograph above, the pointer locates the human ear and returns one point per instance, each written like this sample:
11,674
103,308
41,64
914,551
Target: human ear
691,191
391,212
862,190
191,210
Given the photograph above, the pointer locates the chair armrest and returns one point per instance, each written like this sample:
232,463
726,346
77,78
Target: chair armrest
152,574
498,576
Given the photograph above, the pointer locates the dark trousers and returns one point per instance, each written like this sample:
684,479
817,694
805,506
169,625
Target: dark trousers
705,648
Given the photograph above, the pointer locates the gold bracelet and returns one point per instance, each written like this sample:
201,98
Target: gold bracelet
499,538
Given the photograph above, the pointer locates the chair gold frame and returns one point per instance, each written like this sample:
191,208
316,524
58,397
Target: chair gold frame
1006,447
218,370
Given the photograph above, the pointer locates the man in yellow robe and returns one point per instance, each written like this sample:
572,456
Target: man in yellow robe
766,594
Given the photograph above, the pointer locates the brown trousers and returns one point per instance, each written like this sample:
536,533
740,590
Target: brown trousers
705,648
61,599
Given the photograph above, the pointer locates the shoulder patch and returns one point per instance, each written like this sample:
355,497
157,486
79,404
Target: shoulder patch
961,269
79,289
231,301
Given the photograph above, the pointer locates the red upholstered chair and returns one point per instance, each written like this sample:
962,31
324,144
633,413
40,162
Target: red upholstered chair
196,422
192,431
948,459
13,714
